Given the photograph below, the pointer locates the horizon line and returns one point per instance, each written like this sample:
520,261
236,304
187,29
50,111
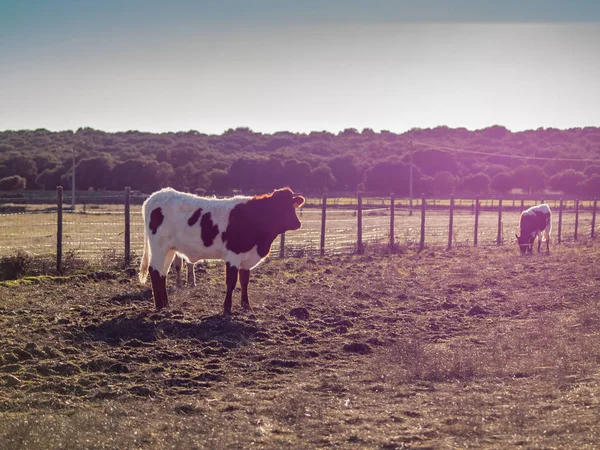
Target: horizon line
340,131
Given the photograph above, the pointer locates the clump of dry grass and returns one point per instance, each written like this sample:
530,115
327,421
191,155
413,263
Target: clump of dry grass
25,265
13,267
297,405
415,360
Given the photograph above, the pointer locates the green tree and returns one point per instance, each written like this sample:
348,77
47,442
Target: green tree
424,185
567,181
50,178
491,170
321,179
189,176
90,173
388,177
495,132
345,172
591,186
145,176
432,161
126,173
155,176
444,183
255,174
592,170
478,183
529,178
13,183
21,165
296,175
219,181
502,182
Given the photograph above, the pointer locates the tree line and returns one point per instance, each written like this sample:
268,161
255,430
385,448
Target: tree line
479,162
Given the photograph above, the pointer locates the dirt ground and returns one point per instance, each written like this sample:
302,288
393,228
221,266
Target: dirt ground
468,348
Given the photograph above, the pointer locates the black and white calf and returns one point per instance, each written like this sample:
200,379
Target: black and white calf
238,230
534,221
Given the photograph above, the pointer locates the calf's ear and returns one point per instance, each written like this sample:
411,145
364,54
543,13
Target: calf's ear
298,201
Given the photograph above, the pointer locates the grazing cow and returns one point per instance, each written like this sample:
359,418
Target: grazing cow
533,222
238,230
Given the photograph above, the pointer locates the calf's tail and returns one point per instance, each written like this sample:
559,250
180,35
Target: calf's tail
548,229
143,272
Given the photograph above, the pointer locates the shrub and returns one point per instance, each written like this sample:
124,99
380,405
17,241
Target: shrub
13,267
12,183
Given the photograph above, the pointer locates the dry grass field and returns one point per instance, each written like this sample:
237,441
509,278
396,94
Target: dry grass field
467,348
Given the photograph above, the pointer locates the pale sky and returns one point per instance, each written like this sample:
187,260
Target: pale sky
301,66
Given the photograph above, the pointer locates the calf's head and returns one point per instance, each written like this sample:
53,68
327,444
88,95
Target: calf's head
283,209
524,243
274,213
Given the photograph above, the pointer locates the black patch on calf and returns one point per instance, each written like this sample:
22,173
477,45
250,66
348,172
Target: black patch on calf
156,219
208,230
242,230
194,218
260,220
263,247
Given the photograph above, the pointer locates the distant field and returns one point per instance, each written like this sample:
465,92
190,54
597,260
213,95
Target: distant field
99,230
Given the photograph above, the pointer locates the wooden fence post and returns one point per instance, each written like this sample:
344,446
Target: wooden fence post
282,245
127,226
59,230
323,215
476,227
499,237
422,241
576,218
450,224
392,213
560,213
359,243
594,216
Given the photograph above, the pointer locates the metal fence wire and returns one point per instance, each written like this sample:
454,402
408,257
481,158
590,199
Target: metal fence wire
98,228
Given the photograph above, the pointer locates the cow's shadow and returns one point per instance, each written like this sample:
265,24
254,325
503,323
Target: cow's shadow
146,327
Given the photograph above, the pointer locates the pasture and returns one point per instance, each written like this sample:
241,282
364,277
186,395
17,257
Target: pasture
467,348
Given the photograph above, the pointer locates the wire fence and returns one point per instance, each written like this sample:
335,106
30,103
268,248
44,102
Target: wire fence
110,228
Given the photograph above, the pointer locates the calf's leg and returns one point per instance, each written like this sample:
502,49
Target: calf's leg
177,263
159,288
231,276
244,280
191,275
159,267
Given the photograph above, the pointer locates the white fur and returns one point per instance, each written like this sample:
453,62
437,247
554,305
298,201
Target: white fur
174,235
